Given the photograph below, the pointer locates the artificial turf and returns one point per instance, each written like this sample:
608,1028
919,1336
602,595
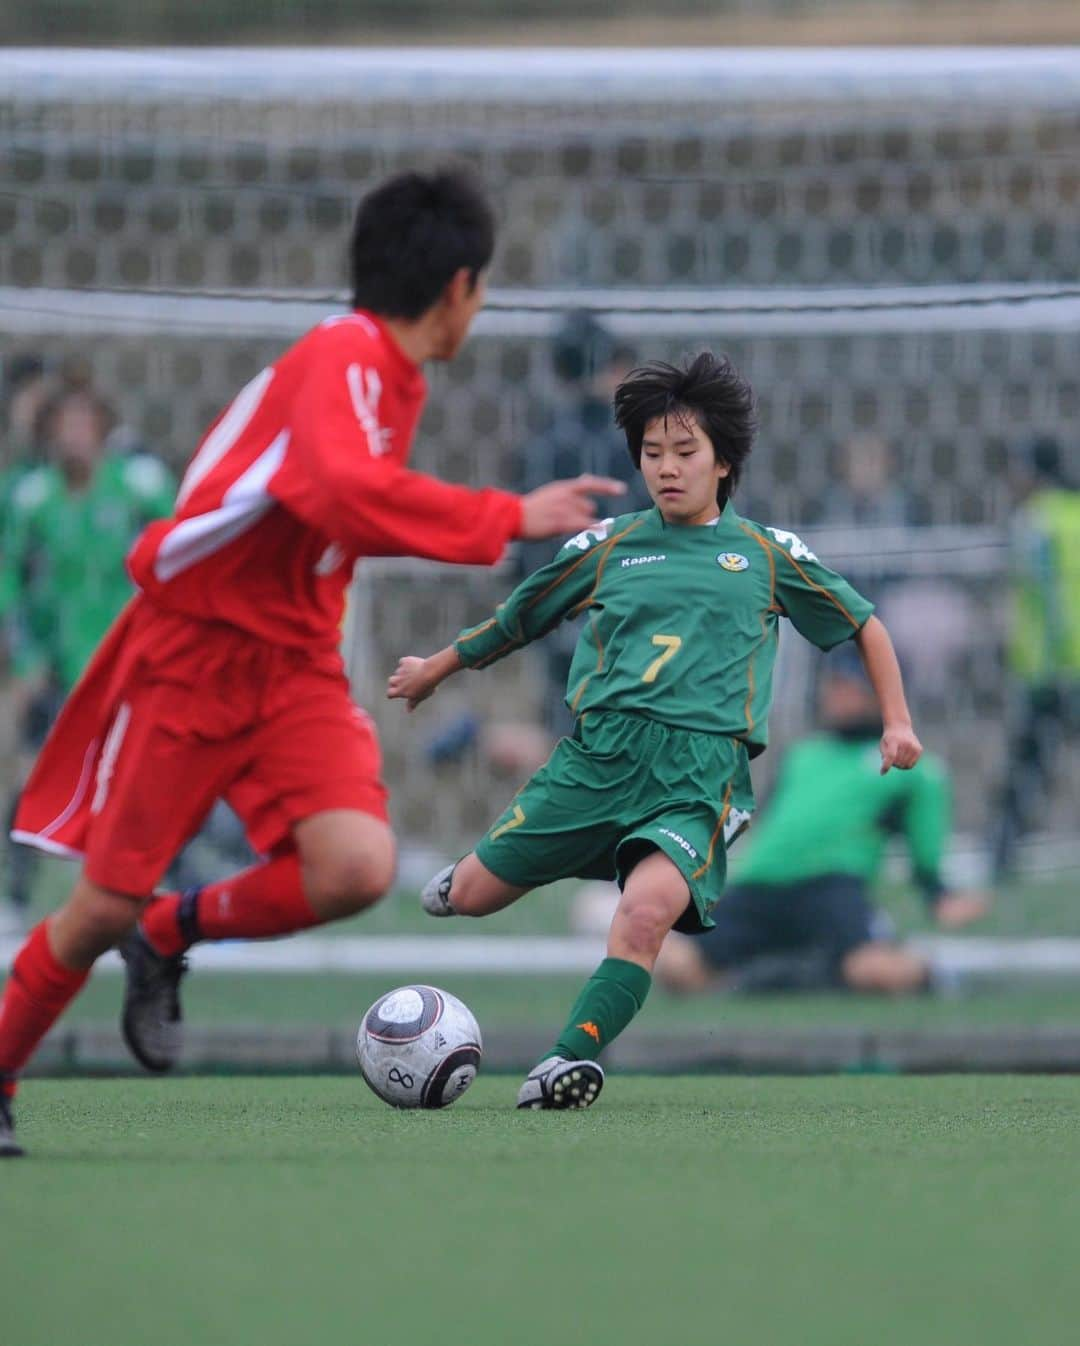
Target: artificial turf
681,1211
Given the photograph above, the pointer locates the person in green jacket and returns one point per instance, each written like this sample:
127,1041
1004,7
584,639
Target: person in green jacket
801,914
669,689
66,531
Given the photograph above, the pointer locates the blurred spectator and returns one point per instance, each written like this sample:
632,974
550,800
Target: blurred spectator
867,489
800,915
1043,652
66,530
931,620
581,437
26,386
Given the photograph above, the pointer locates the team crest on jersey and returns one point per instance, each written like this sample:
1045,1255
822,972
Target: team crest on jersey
733,560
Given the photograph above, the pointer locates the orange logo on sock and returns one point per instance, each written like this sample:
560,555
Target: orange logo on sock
589,1027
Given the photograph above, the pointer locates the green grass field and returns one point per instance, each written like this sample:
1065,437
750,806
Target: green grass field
845,1212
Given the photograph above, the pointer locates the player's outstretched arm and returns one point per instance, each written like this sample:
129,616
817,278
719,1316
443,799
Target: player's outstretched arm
564,507
900,746
415,679
347,481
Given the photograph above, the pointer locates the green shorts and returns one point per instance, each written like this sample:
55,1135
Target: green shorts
621,787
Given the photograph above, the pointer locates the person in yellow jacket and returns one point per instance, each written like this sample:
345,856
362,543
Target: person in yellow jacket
1043,651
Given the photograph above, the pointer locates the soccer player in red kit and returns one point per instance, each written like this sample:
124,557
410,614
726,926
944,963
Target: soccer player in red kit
223,677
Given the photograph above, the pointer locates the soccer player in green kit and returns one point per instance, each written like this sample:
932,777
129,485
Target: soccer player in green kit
670,688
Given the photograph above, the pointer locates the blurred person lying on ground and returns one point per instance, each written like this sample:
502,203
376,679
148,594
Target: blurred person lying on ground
800,917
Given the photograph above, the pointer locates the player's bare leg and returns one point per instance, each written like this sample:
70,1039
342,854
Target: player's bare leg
343,863
653,899
49,971
468,888
347,862
92,921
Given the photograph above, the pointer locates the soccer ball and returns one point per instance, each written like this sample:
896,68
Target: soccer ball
419,1047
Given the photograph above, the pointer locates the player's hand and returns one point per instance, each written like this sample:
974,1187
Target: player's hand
961,908
411,682
900,747
564,506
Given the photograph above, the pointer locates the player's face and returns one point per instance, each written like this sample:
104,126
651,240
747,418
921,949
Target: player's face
680,469
462,300
77,434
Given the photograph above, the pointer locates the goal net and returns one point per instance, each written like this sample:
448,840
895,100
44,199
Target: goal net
885,243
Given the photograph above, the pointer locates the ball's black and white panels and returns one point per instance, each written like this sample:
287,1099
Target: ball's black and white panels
419,1047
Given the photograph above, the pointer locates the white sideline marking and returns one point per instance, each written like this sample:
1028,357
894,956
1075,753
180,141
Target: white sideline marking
416,955
1048,957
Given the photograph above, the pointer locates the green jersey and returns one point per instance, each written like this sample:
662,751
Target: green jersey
62,575
832,811
682,621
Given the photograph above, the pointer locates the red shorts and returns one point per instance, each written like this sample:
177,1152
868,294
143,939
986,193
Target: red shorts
209,713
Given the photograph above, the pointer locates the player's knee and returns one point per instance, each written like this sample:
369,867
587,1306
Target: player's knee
641,925
351,879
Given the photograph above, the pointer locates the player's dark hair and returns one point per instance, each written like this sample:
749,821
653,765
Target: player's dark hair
708,386
413,233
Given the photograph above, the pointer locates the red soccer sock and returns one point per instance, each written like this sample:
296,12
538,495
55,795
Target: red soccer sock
37,993
258,903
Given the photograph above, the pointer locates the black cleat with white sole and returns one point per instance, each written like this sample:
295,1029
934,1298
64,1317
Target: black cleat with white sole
558,1083
152,1017
9,1146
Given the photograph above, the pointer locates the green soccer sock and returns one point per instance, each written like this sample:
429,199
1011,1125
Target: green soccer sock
608,1001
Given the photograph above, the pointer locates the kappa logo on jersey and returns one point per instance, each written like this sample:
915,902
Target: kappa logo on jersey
640,560
596,533
798,548
733,560
365,389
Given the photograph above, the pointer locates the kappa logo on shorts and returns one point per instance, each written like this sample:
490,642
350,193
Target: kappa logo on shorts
679,841
733,560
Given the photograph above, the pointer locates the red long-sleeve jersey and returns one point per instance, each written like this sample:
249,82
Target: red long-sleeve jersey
302,474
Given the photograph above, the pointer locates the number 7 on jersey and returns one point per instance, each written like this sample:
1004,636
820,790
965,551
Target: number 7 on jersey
671,646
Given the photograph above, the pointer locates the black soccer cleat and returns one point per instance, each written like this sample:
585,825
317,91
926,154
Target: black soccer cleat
151,1020
9,1146
558,1083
